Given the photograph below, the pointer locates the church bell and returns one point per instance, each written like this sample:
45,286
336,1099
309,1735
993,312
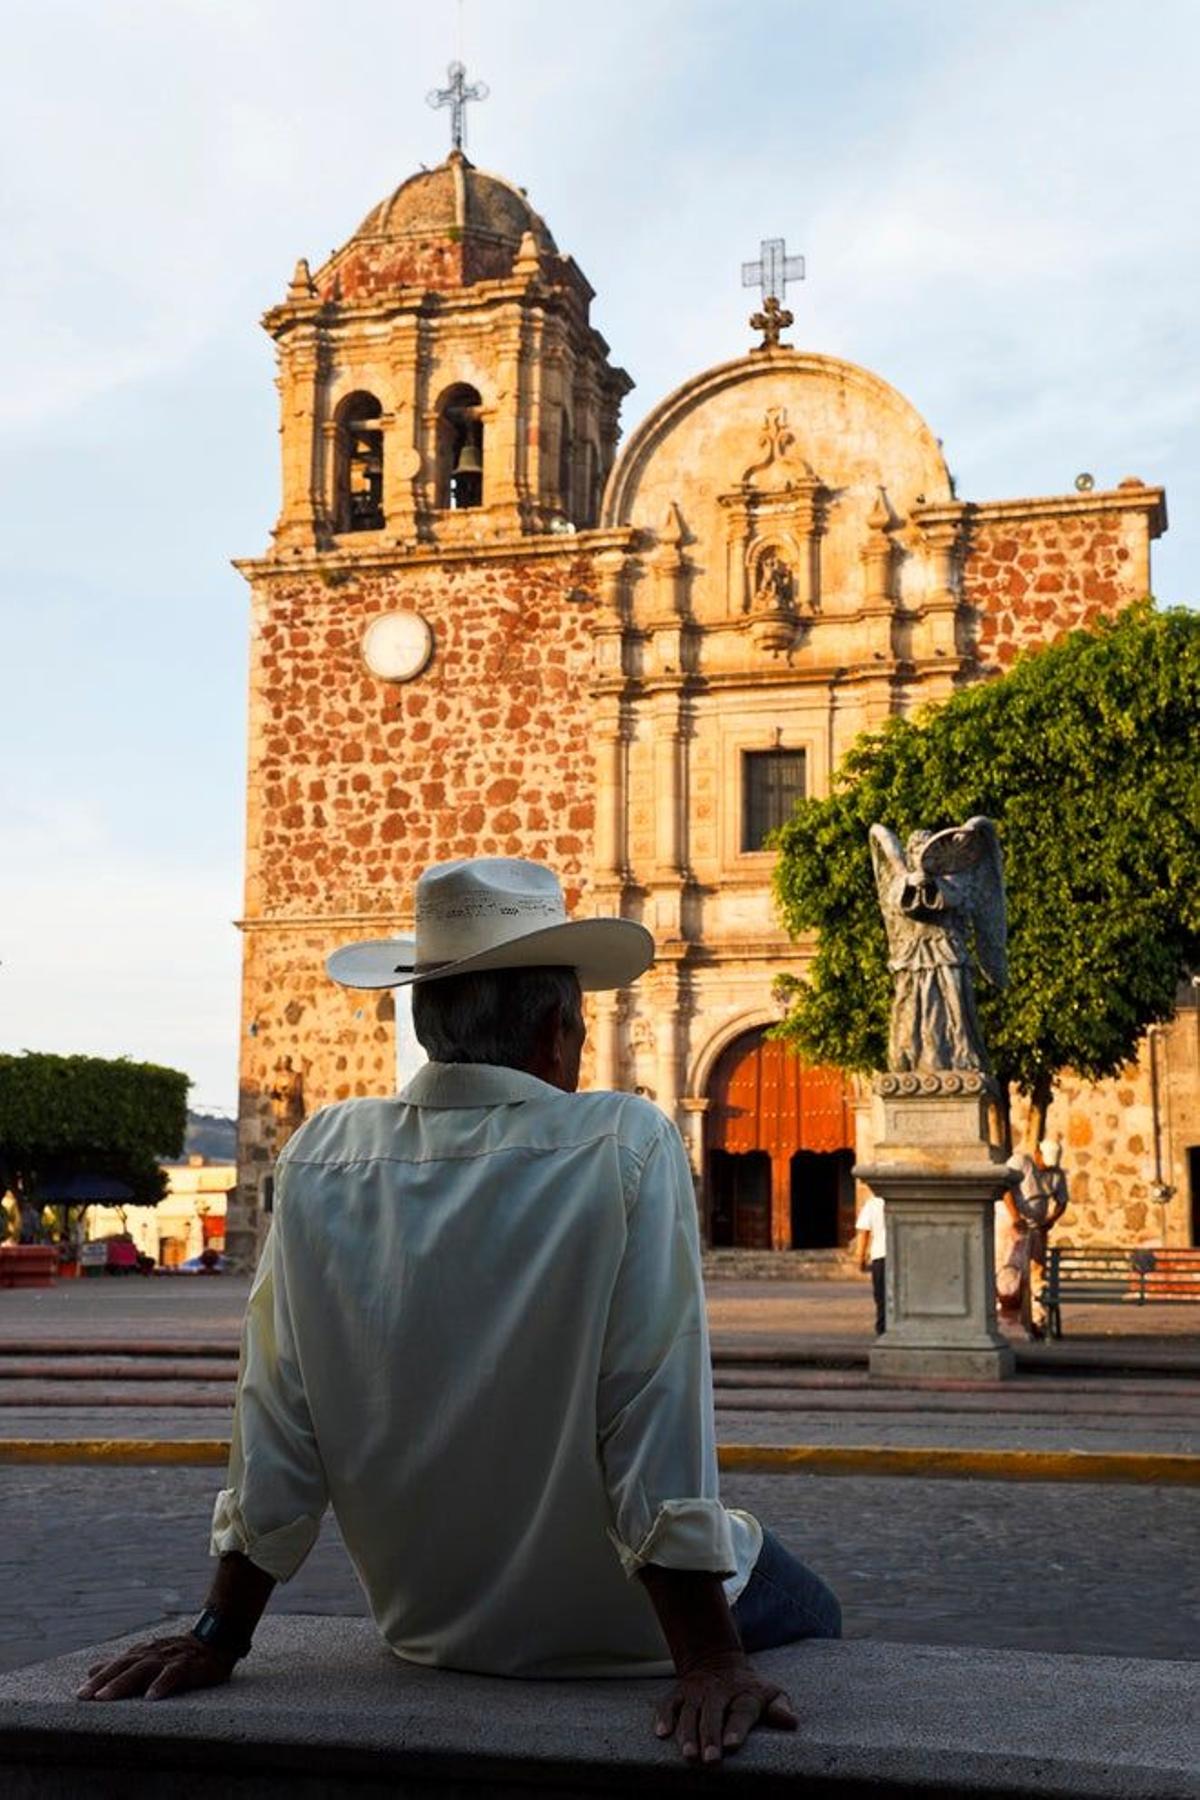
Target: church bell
468,460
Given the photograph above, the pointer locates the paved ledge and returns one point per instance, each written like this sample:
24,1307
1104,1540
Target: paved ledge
322,1710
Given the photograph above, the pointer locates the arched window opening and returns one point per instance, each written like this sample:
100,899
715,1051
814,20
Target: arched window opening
566,497
592,484
460,448
360,464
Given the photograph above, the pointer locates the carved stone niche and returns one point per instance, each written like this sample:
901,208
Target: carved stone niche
773,524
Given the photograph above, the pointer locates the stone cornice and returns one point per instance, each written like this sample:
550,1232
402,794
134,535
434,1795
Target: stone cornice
827,675
561,289
388,924
545,546
1139,499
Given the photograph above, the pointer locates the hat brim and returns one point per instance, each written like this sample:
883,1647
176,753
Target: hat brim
604,953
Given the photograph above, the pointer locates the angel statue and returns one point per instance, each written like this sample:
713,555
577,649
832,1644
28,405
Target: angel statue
942,891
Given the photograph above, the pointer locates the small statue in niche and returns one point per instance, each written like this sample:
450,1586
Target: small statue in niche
941,896
774,585
287,1100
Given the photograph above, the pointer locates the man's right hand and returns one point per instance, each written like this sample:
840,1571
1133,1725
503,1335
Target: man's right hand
157,1669
715,1705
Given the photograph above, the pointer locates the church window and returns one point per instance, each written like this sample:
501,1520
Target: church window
359,464
565,462
460,448
772,782
592,483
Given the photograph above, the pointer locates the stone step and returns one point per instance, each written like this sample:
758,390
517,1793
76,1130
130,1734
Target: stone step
321,1710
780,1265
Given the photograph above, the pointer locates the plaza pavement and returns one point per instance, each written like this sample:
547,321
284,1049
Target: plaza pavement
1098,1568
790,1368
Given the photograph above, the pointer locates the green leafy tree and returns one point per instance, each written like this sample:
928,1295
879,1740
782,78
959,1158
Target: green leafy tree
63,1116
1087,756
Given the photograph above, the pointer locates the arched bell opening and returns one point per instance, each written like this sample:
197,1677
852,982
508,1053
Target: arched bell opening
460,448
358,478
779,1150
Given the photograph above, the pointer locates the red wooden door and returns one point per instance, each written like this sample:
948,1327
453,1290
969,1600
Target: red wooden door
765,1098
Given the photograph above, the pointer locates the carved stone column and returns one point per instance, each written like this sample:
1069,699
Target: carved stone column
403,452
691,1126
610,727
667,1078
301,379
510,447
606,1036
938,633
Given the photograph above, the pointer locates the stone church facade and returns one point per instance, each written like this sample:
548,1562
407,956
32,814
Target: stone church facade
481,630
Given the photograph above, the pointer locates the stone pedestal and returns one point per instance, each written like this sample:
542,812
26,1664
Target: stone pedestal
940,1177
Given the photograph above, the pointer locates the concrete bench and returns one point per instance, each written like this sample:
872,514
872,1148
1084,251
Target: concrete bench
322,1710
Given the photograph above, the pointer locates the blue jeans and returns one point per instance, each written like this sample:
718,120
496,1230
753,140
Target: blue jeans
784,1601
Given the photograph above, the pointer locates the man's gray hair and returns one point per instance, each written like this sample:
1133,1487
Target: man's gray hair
496,1016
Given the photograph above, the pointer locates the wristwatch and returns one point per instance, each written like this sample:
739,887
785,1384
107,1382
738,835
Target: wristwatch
221,1634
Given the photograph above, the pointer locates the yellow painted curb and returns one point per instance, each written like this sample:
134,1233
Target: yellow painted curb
118,1452
989,1465
747,1459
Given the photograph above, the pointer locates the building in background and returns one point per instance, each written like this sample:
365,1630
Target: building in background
478,630
191,1217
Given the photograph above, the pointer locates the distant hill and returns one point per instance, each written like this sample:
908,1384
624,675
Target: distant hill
212,1136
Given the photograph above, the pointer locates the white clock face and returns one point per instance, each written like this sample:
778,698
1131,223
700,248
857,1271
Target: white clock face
397,646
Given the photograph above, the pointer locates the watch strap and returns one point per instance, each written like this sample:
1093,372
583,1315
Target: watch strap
221,1634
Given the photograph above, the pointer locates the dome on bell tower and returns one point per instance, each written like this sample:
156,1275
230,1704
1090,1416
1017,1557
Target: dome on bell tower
443,228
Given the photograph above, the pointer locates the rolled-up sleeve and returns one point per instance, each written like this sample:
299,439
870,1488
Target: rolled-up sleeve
654,1404
276,1495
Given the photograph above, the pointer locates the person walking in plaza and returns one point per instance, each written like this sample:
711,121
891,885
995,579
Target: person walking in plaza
478,1332
1037,1203
871,1244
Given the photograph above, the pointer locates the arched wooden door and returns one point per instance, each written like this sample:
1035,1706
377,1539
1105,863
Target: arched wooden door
780,1143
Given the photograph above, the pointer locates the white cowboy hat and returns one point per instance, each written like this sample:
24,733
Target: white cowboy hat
495,912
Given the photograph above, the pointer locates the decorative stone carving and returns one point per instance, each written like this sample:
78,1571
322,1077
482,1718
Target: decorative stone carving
774,521
941,898
287,1100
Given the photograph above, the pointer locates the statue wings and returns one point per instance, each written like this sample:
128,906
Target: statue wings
971,854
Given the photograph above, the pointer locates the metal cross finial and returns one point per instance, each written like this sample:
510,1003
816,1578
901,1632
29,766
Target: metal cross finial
456,96
773,271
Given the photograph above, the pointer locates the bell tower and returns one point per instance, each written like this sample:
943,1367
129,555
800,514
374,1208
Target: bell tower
420,625
440,382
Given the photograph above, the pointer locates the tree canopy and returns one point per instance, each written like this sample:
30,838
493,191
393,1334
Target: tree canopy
1087,756
85,1115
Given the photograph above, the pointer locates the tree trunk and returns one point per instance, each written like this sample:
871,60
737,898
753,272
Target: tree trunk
1039,1105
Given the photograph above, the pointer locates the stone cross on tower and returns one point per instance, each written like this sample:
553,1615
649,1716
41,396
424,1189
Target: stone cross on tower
771,274
456,96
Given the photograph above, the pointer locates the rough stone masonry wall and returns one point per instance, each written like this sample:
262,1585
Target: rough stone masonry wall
1031,579
355,785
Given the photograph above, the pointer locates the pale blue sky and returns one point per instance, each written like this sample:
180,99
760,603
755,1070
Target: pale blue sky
997,204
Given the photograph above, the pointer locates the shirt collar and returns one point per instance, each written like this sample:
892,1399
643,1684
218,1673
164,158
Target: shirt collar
473,1084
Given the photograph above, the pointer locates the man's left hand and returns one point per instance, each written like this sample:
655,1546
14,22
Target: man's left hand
158,1669
711,1710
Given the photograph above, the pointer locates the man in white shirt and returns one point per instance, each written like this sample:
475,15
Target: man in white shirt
871,1226
478,1332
